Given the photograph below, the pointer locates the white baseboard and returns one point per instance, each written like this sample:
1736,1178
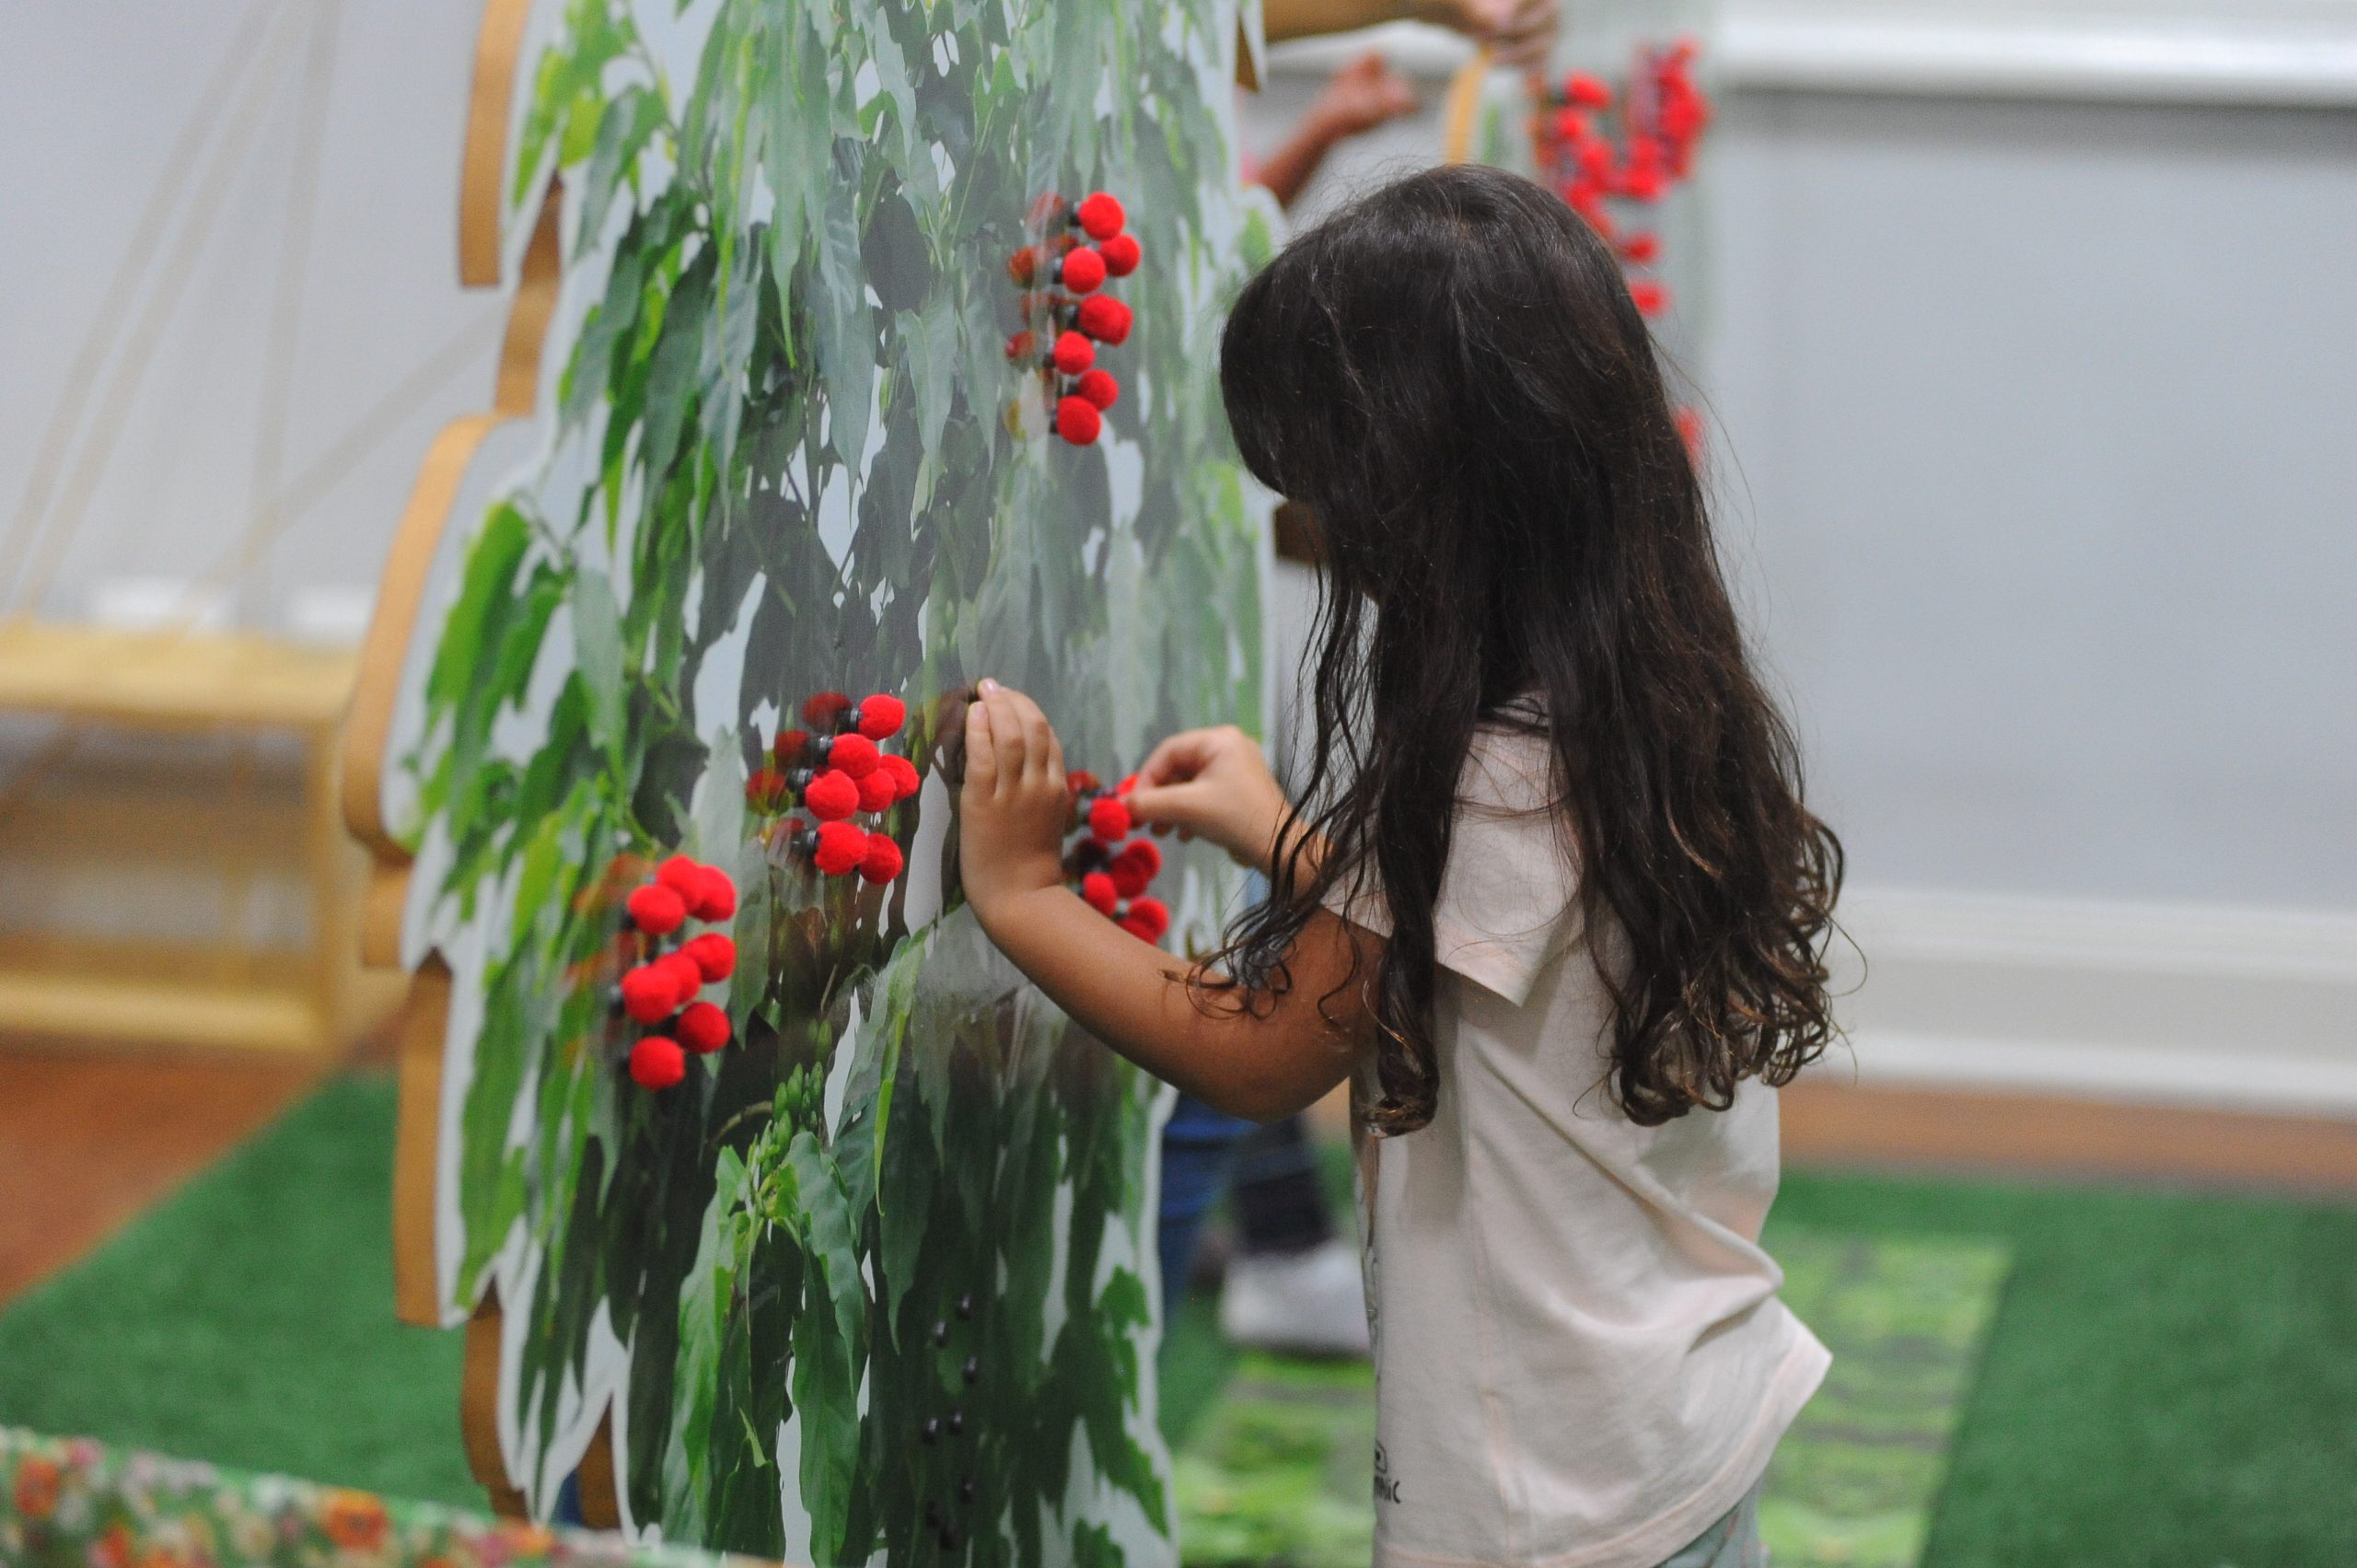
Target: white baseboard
2231,1008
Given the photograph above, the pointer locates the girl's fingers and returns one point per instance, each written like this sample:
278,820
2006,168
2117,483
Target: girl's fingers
981,756
1006,733
1180,757
1038,739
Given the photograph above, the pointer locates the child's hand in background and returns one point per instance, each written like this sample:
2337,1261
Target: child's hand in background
1362,96
1213,784
1014,809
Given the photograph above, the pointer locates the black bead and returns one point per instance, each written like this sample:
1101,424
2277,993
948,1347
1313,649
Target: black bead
972,1369
957,1423
966,1490
965,1307
931,1431
948,1537
932,1516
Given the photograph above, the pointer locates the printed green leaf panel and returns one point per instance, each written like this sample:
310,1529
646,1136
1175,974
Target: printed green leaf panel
875,1284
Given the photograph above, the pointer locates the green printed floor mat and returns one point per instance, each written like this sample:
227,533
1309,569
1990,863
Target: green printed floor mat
1276,1472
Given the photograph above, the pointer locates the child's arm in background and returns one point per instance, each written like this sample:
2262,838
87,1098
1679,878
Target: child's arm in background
1358,97
1013,812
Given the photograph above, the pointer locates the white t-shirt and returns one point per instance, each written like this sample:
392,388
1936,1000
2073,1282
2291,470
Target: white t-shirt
1580,1358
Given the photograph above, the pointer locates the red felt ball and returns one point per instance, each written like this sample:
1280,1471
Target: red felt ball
1073,354
715,895
1136,927
1104,318
1082,270
1130,879
657,910
1079,780
657,1062
687,975
789,744
841,848
1151,913
1018,344
1099,387
853,754
714,956
1108,820
903,775
819,712
1587,91
881,716
1652,298
1096,890
831,796
1100,216
1641,246
649,993
1129,781
1122,254
882,861
1022,265
877,790
702,1028
681,875
1077,420
1146,852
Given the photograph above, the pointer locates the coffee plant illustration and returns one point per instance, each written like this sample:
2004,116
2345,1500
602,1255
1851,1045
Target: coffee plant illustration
772,1164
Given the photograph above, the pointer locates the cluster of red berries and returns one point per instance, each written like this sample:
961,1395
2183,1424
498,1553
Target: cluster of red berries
1596,147
1079,316
836,770
661,991
1112,875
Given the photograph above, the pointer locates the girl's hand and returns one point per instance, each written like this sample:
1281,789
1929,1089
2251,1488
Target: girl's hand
1519,32
1014,809
1213,784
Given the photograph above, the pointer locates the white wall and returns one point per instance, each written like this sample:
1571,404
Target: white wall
2029,329
92,99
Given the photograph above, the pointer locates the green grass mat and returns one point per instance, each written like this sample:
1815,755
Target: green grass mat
2169,1379
248,1320
1275,1470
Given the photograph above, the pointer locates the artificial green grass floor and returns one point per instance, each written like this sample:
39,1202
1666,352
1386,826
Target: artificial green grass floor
2170,1378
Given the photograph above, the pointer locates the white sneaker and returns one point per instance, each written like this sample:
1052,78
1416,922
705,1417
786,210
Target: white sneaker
1310,1303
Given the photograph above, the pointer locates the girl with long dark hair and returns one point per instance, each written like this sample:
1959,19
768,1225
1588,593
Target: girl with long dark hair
1547,898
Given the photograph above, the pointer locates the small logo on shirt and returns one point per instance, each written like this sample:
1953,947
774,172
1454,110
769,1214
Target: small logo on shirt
1387,1485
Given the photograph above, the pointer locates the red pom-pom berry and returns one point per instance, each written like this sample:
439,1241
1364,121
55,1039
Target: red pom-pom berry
1098,386
657,1062
714,897
1100,216
881,716
1129,781
649,992
1108,820
1145,854
841,848
1104,318
765,790
1022,265
1652,298
877,790
1136,927
1130,879
853,754
819,712
788,745
657,910
903,775
702,1028
1096,890
687,975
1151,914
1077,420
1079,780
1120,253
1072,353
831,796
1084,270
1641,246
714,956
1587,91
1019,344
882,860
681,875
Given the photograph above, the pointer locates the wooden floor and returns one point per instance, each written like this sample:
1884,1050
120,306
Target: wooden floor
89,1141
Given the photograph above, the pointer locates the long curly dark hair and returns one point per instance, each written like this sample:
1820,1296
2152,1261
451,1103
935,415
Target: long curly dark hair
1450,376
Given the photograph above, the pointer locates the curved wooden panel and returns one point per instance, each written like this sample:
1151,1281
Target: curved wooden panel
489,105
417,1291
